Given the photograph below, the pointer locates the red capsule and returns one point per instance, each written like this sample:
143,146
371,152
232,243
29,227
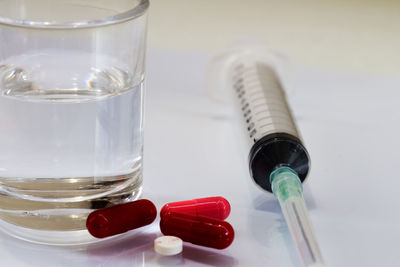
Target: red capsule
198,230
214,207
121,218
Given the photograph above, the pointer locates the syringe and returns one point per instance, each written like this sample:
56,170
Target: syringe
278,160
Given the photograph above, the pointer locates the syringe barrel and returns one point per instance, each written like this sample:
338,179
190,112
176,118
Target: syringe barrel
272,133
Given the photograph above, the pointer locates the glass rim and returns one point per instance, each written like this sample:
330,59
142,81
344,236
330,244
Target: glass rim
130,14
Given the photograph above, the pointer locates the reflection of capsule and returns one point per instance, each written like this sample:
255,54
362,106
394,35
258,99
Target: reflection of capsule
198,230
121,218
214,207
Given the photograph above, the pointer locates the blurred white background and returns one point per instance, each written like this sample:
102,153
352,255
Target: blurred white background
356,36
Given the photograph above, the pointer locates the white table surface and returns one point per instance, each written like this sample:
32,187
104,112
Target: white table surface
351,128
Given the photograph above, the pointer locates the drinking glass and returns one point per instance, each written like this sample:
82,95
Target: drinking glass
71,113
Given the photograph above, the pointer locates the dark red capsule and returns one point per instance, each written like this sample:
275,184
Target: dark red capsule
214,207
121,218
203,231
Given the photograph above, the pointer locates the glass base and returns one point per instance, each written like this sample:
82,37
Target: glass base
57,238
61,238
61,223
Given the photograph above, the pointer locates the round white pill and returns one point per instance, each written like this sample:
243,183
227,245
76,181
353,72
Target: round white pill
168,245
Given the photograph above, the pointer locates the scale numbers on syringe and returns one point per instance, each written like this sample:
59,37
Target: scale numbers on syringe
262,101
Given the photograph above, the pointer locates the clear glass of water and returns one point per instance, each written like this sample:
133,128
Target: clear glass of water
71,113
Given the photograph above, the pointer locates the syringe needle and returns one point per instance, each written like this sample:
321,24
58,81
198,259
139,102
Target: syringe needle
287,188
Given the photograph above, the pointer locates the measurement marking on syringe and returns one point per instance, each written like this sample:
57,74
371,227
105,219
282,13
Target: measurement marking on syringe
259,105
257,99
243,72
265,78
260,86
251,77
256,93
283,116
274,105
253,88
267,83
271,87
275,122
271,99
269,103
267,93
269,111
254,81
273,127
